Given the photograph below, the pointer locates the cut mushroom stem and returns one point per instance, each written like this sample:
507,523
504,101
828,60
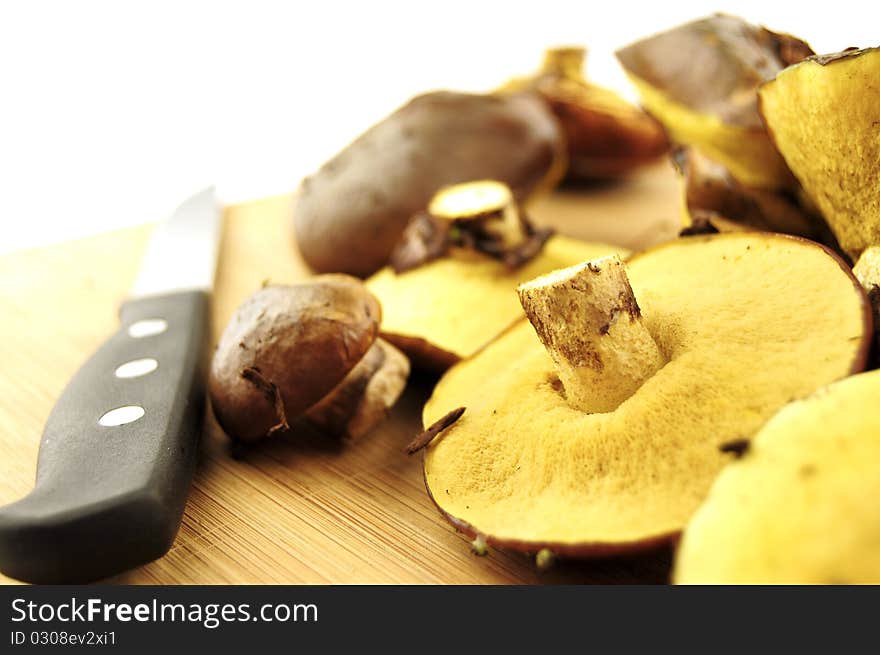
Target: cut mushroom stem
590,323
489,202
565,61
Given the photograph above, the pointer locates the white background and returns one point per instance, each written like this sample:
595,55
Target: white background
111,112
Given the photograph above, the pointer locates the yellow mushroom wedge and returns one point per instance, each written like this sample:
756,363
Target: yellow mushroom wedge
742,323
450,308
800,505
700,80
824,116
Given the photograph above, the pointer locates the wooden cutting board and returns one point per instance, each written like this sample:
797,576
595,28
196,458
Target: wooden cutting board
300,509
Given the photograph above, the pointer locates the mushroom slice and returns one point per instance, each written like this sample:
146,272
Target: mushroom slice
743,323
450,308
287,347
700,80
365,395
800,506
823,115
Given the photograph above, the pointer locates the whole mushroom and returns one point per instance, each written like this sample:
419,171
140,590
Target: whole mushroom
305,350
349,215
606,136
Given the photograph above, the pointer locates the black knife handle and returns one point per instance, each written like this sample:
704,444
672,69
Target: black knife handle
110,497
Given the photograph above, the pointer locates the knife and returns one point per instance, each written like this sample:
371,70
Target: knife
119,448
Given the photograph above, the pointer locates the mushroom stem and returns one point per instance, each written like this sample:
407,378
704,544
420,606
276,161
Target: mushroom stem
567,62
589,321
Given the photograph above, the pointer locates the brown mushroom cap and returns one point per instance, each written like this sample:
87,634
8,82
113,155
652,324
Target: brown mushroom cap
286,348
712,193
350,214
607,137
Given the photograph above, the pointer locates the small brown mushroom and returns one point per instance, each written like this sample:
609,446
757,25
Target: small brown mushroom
365,395
607,136
305,349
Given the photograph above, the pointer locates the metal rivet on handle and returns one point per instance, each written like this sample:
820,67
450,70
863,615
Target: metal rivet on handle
147,327
136,368
121,416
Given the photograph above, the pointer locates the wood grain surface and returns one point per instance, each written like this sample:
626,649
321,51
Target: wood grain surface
302,508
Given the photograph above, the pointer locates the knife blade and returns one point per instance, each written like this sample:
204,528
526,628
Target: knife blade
119,447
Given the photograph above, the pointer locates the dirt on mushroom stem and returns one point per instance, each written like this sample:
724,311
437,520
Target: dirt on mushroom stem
605,361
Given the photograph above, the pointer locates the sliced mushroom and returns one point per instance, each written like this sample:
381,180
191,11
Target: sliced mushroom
801,506
609,441
701,79
823,114
288,347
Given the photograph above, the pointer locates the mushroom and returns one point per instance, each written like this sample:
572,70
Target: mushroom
606,438
305,350
607,137
823,114
712,194
867,272
349,215
800,505
700,80
457,293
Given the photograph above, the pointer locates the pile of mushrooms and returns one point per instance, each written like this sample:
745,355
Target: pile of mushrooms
600,403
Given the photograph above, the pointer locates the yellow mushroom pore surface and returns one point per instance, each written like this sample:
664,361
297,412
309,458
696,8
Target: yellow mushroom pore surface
825,120
746,323
801,506
745,151
461,302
